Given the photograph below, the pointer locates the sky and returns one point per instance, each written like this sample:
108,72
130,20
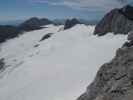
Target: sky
57,9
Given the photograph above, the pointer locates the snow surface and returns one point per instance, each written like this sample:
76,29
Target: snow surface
60,68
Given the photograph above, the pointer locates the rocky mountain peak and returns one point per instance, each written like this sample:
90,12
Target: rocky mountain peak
127,11
70,23
114,80
34,23
118,21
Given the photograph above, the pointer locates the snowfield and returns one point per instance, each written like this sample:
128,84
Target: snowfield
59,68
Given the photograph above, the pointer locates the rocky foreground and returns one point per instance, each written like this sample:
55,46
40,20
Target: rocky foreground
114,80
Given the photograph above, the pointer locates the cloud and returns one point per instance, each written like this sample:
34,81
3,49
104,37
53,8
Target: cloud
90,5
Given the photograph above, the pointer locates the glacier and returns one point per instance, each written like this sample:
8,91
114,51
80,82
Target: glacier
59,68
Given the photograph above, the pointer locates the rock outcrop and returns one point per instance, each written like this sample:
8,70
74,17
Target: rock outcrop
114,80
71,23
118,21
8,31
2,64
129,43
47,36
127,11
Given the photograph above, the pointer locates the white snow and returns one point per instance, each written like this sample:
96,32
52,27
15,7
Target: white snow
60,68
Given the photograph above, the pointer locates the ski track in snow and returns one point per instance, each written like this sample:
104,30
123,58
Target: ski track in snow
60,68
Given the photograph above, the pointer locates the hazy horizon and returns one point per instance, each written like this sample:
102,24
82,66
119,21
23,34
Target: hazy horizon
57,9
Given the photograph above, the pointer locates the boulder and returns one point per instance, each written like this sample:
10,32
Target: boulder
129,43
127,11
8,31
114,80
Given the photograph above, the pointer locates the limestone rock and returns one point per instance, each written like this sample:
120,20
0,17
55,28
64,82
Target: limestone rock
118,21
71,23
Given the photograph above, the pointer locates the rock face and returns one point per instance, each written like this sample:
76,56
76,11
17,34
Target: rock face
2,64
118,21
127,11
129,43
7,32
46,36
71,23
114,80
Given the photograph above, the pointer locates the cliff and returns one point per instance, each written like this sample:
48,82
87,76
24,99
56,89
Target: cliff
118,21
114,80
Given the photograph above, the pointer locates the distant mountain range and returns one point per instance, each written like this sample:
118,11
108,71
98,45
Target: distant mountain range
68,59
16,28
56,21
11,29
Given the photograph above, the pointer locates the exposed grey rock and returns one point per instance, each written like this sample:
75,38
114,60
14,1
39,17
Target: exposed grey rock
114,80
118,21
2,64
128,44
34,23
130,36
71,23
9,31
46,36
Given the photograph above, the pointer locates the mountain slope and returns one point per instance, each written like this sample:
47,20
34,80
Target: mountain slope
114,80
118,21
58,68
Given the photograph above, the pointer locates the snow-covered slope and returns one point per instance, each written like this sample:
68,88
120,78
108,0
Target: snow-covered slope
59,68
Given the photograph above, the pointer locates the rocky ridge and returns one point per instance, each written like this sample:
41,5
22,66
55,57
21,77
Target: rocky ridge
118,21
34,24
70,23
9,31
114,80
